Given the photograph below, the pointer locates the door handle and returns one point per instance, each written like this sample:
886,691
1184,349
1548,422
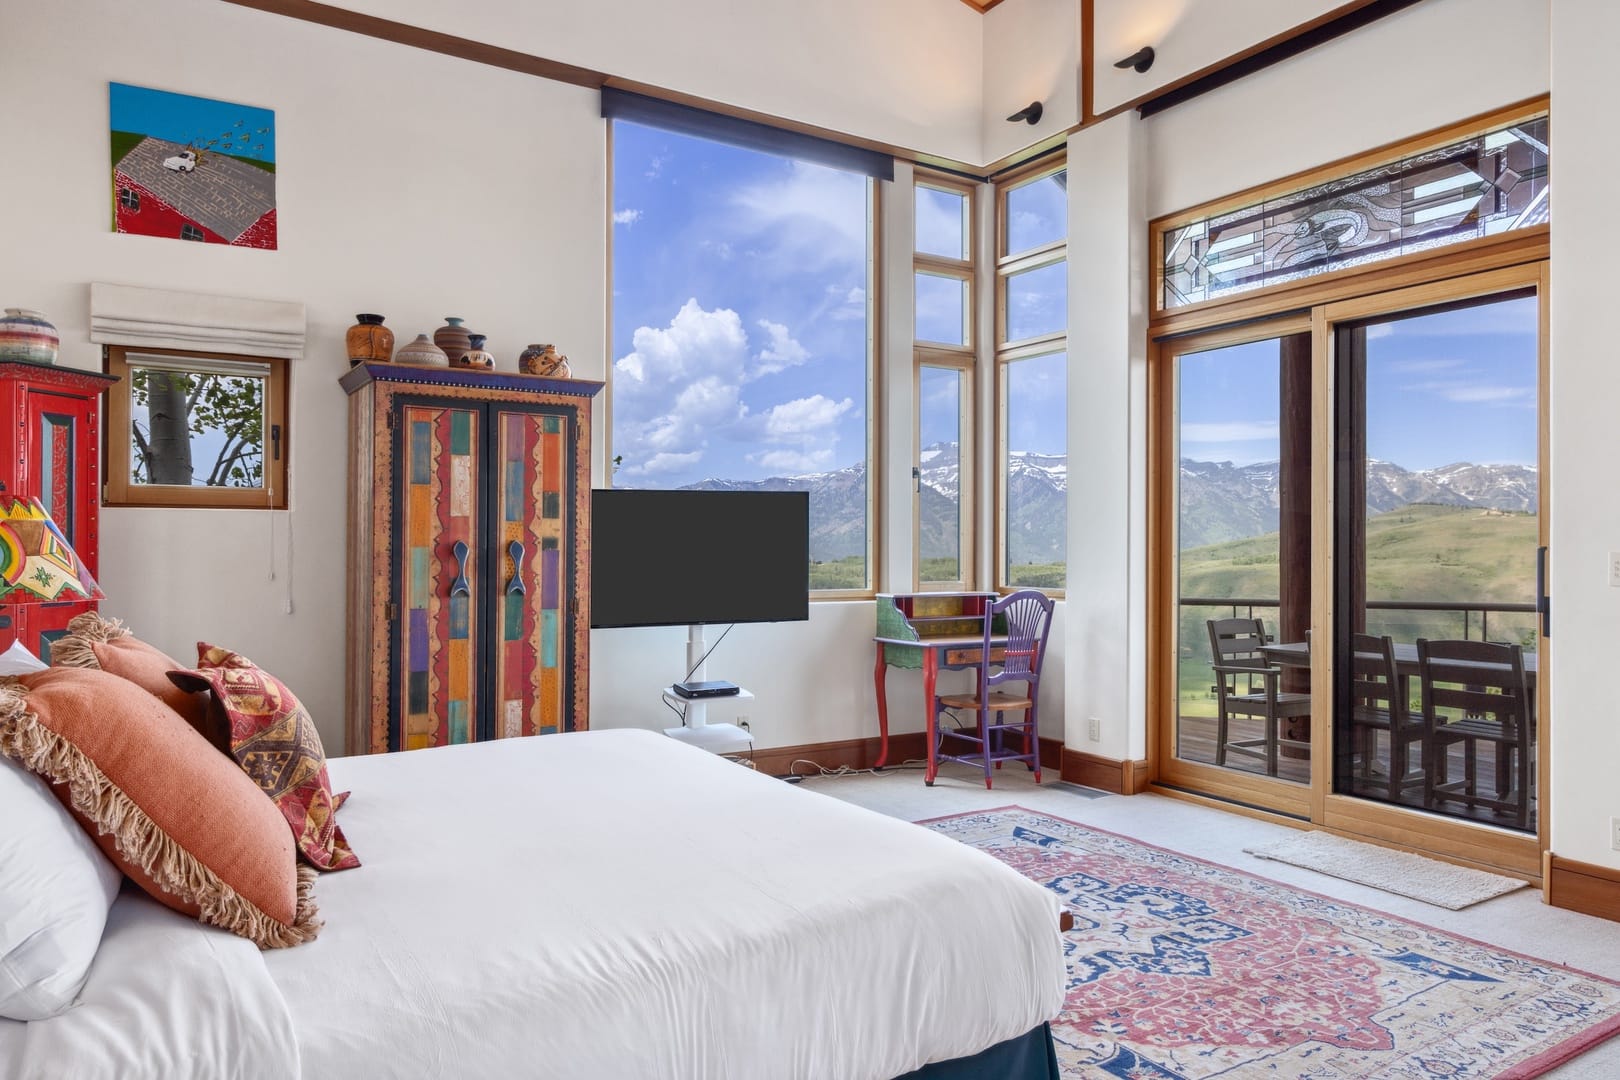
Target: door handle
459,586
515,585
1543,601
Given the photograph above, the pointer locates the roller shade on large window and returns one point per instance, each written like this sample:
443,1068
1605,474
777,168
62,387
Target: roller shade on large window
655,112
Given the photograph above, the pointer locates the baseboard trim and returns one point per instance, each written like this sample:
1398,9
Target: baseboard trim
1583,887
1105,774
863,754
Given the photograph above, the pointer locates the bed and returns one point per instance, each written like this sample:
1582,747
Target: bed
596,905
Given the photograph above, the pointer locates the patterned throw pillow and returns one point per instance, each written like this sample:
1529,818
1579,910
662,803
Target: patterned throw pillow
275,742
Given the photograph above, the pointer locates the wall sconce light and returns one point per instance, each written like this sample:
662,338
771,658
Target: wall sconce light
1029,114
1141,59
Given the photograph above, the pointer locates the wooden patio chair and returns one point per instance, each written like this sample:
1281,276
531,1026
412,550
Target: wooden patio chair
1246,685
1378,703
1480,685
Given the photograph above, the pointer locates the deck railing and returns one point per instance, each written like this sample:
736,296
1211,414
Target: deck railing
1245,606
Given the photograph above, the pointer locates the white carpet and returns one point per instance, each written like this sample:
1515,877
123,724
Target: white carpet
1399,872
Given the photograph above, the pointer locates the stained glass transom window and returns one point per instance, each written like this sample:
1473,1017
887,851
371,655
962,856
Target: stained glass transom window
1481,186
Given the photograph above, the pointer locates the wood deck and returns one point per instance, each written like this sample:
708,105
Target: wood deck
1197,743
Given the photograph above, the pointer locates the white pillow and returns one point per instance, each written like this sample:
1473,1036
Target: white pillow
17,660
56,887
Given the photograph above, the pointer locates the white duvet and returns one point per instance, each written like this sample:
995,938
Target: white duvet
618,905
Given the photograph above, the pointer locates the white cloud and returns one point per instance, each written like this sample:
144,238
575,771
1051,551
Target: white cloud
627,216
677,384
1230,431
655,168
809,217
680,389
1460,391
1423,367
1486,395
660,464
781,353
793,461
804,417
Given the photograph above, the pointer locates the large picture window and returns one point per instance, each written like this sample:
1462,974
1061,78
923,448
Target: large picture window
742,332
1032,327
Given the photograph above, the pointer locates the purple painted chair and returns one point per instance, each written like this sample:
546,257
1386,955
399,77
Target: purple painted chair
1025,618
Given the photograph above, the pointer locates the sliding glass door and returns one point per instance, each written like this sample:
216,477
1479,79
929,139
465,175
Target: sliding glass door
1348,591
1438,540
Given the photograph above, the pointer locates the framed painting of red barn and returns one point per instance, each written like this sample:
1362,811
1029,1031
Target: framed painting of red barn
192,168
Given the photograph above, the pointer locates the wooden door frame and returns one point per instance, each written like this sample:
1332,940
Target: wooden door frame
1519,266
1166,771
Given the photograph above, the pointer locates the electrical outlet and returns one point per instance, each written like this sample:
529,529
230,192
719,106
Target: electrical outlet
1614,833
1614,569
1094,729
742,722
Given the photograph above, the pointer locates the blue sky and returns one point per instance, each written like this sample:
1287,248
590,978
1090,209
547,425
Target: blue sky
739,312
185,119
1441,388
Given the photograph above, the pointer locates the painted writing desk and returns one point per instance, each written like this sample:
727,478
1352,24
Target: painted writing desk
927,631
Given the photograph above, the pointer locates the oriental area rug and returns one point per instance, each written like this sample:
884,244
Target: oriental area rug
1182,969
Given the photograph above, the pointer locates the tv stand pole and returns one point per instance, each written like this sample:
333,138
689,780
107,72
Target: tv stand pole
718,738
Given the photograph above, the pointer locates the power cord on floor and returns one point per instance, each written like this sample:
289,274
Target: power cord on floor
794,776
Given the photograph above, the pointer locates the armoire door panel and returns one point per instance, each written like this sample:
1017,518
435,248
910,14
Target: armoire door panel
532,539
438,577
61,438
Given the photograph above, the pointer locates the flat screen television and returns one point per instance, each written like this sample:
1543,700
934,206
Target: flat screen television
677,558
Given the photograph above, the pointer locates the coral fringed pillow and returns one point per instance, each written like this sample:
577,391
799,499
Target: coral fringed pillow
94,641
171,811
275,742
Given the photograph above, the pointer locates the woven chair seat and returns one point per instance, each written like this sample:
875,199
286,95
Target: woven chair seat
998,702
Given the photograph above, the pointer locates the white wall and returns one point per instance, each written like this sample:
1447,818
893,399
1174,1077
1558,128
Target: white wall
1585,728
1186,36
1031,53
409,184
1373,86
904,72
1104,641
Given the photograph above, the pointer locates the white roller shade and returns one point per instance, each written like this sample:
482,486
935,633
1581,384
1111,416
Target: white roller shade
164,319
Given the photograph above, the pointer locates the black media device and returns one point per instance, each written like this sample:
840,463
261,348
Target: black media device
710,689
682,558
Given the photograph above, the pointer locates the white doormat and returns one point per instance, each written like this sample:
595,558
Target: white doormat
1399,872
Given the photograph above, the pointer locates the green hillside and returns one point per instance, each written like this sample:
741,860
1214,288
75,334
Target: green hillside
1448,554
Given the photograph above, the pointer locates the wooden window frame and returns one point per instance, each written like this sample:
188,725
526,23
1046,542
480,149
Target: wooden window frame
963,359
118,490
1010,265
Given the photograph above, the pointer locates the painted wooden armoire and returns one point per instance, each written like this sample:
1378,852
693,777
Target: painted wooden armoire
50,449
469,555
